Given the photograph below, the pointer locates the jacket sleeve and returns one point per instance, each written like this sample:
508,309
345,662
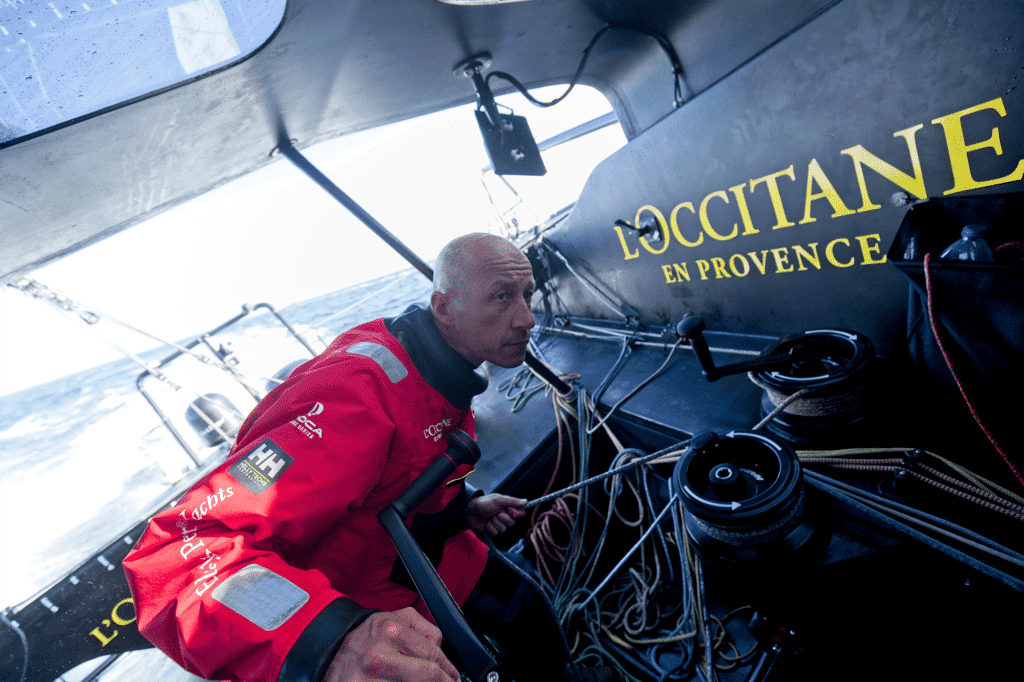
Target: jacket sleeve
212,579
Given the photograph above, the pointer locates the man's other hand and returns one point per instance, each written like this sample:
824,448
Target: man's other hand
392,646
494,513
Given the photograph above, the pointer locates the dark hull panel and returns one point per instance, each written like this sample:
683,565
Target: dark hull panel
87,615
773,189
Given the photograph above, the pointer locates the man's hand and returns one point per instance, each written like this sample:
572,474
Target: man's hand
494,513
392,646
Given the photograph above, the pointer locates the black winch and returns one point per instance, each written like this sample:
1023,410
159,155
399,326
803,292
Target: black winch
745,502
822,396
817,384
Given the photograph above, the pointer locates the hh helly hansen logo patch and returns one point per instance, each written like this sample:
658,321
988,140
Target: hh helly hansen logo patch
261,467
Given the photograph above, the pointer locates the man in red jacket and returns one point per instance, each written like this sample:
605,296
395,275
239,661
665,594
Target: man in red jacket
274,566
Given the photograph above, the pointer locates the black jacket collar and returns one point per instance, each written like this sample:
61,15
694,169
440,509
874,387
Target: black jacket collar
446,371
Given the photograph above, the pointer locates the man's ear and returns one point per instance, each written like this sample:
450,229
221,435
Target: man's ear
441,307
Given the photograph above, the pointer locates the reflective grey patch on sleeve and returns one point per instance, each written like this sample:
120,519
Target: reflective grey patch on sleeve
391,365
261,596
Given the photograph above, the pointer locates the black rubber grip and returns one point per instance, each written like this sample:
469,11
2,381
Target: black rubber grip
461,450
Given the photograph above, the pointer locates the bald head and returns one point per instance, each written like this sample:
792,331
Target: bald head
461,256
481,300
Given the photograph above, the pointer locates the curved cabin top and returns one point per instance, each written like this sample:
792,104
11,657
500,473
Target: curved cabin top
774,148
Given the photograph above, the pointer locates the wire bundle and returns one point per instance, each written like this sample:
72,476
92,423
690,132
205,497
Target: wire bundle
647,615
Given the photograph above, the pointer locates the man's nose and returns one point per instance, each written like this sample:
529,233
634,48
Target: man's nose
524,316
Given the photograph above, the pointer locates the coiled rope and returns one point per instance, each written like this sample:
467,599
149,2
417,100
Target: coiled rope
815,402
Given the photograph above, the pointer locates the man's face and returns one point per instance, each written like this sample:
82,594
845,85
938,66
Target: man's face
489,317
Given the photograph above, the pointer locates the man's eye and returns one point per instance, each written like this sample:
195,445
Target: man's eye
502,296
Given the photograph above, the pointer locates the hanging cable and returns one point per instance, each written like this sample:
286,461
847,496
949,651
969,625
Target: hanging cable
679,78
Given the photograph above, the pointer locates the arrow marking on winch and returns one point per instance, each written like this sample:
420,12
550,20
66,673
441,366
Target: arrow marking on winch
732,505
772,444
851,337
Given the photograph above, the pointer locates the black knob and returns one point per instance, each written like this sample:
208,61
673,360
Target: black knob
691,328
461,448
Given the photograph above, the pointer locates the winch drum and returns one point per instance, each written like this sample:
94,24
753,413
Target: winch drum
743,499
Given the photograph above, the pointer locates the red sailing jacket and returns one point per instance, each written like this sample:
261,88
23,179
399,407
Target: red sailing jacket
227,581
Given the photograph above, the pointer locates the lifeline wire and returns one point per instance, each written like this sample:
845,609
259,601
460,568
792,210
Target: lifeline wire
90,316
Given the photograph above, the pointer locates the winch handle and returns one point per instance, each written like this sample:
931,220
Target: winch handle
692,329
474,659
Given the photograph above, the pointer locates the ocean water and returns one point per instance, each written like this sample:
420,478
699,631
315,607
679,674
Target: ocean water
83,457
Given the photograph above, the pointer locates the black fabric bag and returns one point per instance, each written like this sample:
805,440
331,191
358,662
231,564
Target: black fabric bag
978,312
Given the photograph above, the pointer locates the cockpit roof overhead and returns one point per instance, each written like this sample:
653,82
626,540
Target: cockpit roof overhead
329,68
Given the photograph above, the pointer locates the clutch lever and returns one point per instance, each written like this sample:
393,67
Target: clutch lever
475,660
